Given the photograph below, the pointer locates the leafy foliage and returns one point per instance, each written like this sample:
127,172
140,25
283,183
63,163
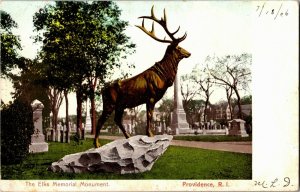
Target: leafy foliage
246,100
193,110
82,43
16,129
10,44
81,40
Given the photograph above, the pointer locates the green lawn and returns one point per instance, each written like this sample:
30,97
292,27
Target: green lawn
175,163
213,138
204,138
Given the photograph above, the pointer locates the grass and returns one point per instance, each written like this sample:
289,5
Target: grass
175,163
203,138
213,138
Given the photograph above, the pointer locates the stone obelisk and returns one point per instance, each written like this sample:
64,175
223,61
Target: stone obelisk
179,124
88,122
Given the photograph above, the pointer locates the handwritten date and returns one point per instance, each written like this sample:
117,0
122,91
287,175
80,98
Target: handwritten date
274,11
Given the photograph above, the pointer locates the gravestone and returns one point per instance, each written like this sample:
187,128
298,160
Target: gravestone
74,128
88,122
237,128
179,124
38,143
57,134
62,134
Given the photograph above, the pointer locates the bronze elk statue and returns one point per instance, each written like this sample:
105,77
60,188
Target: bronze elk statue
147,87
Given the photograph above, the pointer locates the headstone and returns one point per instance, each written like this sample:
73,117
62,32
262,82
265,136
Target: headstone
237,128
88,122
38,143
62,133
57,139
179,123
49,136
169,130
226,131
163,127
74,128
134,155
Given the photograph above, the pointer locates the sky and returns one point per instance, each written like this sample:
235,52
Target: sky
211,27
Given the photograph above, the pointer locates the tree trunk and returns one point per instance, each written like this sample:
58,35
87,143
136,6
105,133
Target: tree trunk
206,104
79,114
93,114
240,116
230,108
205,112
93,105
229,94
55,99
54,118
67,113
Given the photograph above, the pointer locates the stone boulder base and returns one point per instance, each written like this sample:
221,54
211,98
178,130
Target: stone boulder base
134,155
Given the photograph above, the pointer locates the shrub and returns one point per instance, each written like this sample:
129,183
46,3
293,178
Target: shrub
75,139
16,129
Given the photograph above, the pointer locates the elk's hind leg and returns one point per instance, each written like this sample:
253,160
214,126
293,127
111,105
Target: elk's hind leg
118,120
107,110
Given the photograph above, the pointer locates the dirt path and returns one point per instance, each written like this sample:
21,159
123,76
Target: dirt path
239,147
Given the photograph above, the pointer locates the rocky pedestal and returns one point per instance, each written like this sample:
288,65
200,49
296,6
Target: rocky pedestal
38,143
134,155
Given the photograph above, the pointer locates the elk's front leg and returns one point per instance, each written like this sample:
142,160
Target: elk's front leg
101,121
150,107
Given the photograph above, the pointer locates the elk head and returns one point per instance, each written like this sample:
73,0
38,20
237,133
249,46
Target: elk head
174,49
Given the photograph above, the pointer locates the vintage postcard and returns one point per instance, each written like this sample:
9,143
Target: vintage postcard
149,95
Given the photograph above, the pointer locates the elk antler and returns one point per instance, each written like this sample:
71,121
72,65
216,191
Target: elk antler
163,23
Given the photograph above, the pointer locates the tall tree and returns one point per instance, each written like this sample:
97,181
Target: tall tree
232,71
83,41
10,44
203,82
189,89
29,84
